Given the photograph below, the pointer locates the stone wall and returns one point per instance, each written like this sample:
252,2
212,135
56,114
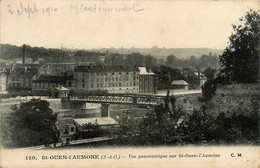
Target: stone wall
238,98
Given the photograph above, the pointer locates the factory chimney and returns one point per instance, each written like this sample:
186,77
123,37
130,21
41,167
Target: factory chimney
23,54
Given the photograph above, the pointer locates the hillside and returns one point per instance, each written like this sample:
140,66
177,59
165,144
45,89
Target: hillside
164,52
239,98
11,52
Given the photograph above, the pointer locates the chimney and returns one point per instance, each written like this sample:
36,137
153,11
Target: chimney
148,69
23,54
12,68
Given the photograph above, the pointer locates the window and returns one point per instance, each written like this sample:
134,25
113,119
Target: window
97,85
92,85
83,85
113,73
69,83
72,129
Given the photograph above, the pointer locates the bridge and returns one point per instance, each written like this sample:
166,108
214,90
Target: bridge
135,99
79,100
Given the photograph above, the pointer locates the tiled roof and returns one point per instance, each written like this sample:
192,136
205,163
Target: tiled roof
97,120
22,73
4,74
105,69
61,88
179,82
51,78
29,73
145,71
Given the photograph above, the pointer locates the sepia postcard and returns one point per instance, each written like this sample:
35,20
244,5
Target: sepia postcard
127,83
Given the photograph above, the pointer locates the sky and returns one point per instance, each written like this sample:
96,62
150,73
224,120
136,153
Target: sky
88,24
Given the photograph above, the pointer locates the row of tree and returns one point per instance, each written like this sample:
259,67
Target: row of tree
43,55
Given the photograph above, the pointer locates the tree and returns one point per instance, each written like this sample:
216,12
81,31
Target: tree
33,123
240,60
150,61
171,60
193,61
208,90
210,73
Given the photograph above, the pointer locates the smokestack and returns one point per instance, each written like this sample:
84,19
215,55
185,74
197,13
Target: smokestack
23,54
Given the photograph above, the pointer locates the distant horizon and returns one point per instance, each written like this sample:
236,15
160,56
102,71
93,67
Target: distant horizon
110,47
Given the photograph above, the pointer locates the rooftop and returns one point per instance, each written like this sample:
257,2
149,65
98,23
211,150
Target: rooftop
51,78
145,71
97,120
61,88
91,68
23,72
179,82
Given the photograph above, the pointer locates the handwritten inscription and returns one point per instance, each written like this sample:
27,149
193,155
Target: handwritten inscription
31,9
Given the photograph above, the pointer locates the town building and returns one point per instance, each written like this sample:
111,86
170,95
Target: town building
114,79
146,80
56,68
179,85
47,83
102,122
21,78
59,92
